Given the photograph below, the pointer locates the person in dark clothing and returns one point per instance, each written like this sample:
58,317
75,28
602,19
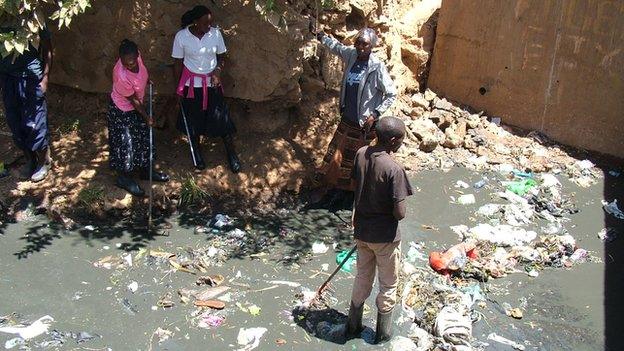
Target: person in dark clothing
199,53
128,122
24,82
381,189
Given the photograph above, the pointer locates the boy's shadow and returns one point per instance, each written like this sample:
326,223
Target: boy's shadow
327,324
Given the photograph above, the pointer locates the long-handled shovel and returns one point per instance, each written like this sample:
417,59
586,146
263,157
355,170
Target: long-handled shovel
151,154
188,133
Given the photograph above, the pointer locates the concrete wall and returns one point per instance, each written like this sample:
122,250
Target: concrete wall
556,66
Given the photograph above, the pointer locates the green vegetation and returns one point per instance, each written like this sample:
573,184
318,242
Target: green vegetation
191,193
91,196
328,4
68,126
28,18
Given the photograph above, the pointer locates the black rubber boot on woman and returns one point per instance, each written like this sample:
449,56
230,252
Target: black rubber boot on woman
235,164
156,176
125,181
199,160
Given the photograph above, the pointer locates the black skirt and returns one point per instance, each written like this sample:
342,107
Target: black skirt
128,140
213,122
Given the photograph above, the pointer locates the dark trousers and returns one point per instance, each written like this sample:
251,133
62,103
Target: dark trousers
26,111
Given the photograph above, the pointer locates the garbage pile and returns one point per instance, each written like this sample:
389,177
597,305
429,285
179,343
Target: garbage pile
448,134
442,311
522,230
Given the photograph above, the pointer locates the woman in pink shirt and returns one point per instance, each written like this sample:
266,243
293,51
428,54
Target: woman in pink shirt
128,122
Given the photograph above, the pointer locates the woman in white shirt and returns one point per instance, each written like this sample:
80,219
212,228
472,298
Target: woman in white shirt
198,50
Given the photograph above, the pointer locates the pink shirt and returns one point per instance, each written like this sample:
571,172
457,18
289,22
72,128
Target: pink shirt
126,84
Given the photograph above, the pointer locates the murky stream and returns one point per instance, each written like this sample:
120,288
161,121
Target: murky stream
45,270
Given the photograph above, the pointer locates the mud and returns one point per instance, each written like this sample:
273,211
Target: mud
49,270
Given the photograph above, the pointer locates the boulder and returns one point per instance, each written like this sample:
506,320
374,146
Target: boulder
430,95
423,127
461,128
453,139
473,121
442,118
416,112
430,142
428,133
444,104
469,143
418,100
363,7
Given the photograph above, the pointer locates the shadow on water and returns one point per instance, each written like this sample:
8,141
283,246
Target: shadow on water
614,261
326,324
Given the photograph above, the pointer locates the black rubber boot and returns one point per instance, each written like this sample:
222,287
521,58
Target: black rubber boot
200,164
156,176
27,170
125,182
354,324
44,163
383,332
233,160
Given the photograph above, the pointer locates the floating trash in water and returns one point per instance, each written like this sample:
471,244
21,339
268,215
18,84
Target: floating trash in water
348,266
26,332
466,199
415,253
319,248
249,338
461,184
207,320
11,343
480,184
613,209
607,234
505,341
133,287
163,334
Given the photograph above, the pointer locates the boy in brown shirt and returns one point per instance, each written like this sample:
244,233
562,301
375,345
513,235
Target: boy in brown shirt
380,195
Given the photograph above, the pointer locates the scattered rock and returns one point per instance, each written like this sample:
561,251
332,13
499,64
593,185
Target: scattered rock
443,104
453,139
418,100
416,112
430,95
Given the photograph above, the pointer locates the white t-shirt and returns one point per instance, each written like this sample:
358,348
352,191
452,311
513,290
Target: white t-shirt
200,56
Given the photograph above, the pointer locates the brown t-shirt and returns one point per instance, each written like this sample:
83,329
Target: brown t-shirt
380,183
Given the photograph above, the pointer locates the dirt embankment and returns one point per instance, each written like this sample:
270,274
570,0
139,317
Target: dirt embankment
281,85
